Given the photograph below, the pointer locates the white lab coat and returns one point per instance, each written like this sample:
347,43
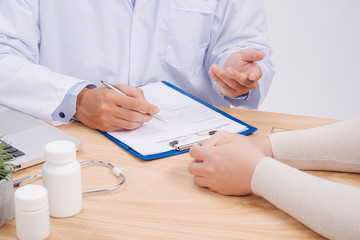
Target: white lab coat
48,46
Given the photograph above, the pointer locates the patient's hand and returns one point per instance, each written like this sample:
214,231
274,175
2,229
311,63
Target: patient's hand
226,163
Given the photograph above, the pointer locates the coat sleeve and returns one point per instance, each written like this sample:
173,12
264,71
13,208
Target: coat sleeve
237,25
25,85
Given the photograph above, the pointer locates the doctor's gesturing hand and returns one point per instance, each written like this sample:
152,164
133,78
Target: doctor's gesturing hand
240,73
106,110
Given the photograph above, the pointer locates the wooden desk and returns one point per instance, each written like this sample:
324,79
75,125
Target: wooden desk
160,201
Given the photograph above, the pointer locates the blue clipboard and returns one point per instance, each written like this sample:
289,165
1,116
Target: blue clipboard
250,129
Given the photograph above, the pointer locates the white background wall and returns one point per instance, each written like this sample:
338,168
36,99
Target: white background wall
316,51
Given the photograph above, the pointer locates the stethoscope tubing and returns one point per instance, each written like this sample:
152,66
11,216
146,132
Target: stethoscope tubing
116,170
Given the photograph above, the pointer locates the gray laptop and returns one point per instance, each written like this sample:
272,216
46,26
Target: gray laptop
26,137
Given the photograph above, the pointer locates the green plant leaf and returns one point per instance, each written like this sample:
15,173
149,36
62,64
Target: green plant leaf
6,167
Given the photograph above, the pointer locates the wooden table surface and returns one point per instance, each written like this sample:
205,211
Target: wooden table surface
160,201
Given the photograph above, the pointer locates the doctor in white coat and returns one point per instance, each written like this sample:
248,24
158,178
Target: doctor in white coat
53,55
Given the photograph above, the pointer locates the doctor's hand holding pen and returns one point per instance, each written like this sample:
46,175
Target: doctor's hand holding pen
107,110
240,73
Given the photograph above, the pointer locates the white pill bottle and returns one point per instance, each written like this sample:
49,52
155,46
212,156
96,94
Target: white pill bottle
32,213
62,178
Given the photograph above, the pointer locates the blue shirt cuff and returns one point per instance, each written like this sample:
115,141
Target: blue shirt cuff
67,109
241,97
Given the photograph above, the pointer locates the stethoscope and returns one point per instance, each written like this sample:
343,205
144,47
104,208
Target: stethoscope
116,170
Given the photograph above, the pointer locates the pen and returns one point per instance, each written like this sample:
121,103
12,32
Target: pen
116,89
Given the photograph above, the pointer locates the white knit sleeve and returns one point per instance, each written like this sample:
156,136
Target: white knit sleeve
329,208
334,147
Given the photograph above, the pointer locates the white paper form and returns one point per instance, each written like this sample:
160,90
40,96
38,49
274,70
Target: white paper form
188,121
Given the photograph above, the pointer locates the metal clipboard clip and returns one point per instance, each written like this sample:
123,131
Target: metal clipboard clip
176,144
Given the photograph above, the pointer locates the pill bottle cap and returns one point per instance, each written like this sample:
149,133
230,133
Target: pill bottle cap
60,152
31,198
